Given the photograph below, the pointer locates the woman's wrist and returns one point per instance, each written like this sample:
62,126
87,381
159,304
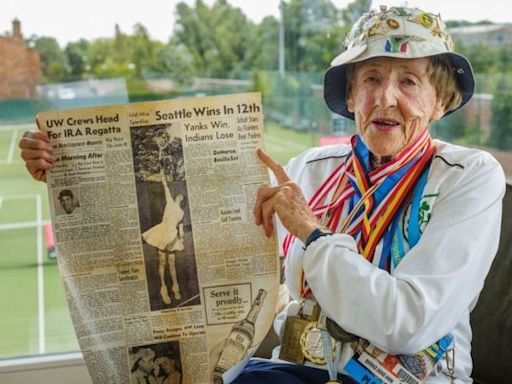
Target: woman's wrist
316,234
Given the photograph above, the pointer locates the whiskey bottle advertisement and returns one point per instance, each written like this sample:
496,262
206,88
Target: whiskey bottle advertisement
239,340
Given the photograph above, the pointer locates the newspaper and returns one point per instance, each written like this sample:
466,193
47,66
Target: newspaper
168,279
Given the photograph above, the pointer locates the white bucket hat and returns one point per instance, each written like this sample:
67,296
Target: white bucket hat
399,32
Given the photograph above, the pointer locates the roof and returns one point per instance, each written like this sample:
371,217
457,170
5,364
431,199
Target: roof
477,29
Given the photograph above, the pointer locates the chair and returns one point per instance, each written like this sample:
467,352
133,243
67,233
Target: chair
491,320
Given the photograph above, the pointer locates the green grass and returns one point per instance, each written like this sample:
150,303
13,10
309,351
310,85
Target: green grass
283,144
60,335
19,322
5,138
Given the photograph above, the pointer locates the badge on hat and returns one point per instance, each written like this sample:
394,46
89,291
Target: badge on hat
426,20
393,24
397,44
400,11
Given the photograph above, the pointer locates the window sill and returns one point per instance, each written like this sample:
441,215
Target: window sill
69,368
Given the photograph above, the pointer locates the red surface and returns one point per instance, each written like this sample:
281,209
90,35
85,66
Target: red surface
328,140
48,236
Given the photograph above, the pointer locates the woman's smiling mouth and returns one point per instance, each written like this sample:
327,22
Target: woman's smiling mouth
385,124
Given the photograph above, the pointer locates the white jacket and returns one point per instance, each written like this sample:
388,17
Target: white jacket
433,290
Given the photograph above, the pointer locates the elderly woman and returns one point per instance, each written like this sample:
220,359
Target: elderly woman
388,240
392,236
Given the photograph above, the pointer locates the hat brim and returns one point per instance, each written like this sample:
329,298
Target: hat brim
335,81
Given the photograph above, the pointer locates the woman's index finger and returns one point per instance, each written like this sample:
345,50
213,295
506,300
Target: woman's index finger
276,168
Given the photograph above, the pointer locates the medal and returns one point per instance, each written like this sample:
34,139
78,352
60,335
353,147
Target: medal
312,345
291,346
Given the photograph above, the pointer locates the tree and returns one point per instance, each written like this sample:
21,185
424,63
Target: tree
354,11
76,53
122,51
176,62
54,64
263,53
483,58
144,51
464,23
313,34
98,53
502,115
218,37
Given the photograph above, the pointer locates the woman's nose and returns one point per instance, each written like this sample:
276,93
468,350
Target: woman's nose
386,94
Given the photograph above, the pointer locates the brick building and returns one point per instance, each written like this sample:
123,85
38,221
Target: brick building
20,71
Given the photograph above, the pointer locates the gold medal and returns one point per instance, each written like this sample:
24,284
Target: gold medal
291,346
312,345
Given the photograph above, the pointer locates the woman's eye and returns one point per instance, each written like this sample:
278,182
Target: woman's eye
370,79
409,81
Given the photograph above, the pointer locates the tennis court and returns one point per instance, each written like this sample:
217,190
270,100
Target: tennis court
34,316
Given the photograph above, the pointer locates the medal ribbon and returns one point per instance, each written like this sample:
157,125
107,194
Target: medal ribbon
374,197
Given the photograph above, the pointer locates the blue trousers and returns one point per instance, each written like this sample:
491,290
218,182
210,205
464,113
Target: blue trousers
269,372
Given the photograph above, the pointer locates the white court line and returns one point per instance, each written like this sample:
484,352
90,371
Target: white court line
12,146
40,274
278,148
275,148
16,160
284,143
23,224
38,224
20,127
19,197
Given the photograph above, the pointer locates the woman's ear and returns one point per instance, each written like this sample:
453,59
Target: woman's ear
350,103
438,110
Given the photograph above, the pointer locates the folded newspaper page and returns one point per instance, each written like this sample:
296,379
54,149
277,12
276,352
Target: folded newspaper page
167,277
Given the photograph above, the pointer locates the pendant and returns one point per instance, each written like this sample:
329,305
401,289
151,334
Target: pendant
291,346
312,345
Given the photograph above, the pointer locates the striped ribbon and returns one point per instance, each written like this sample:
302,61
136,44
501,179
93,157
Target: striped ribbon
374,197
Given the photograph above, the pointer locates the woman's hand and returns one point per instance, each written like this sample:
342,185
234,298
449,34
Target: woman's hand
37,153
285,199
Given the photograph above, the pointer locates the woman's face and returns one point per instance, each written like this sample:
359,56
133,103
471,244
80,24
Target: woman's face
168,365
393,100
162,139
179,199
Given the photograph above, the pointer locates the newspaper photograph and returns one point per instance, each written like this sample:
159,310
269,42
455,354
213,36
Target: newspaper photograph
167,277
